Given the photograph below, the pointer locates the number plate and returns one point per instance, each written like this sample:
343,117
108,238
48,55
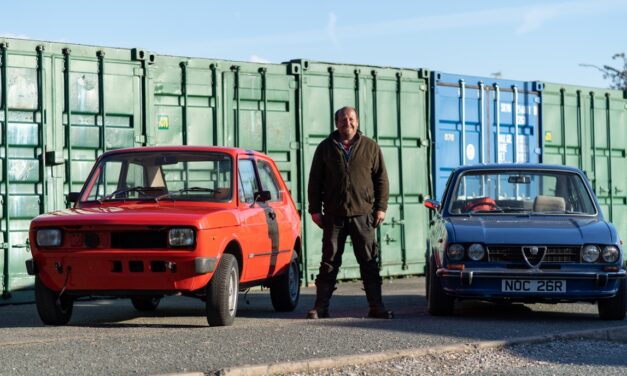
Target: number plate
531,285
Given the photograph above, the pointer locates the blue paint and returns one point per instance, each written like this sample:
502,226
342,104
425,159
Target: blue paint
478,139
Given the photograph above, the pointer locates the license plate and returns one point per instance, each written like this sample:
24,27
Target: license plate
531,285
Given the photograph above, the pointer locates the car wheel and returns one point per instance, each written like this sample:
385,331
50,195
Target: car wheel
145,304
222,292
52,309
614,308
285,289
439,303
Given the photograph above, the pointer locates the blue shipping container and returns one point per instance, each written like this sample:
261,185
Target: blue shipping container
472,122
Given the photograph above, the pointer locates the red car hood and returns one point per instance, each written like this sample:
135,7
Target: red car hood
201,217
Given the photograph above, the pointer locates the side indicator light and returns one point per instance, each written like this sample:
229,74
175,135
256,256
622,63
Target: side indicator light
610,269
456,267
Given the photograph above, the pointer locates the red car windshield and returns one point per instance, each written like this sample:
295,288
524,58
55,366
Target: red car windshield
176,175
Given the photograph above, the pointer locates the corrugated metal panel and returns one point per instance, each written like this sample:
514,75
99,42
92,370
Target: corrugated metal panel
392,107
473,121
586,128
54,99
215,102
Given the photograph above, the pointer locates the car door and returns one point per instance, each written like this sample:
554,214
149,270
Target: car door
256,221
277,207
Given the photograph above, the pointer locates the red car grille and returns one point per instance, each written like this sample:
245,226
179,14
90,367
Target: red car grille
558,254
139,239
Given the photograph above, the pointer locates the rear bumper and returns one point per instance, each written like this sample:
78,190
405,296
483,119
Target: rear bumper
487,283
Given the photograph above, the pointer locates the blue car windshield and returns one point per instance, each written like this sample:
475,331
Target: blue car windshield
539,192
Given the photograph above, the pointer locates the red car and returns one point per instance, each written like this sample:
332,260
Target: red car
201,221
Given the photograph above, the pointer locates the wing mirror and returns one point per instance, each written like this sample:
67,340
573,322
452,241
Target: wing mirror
263,196
432,204
72,197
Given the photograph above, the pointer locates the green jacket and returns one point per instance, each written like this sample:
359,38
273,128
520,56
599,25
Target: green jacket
348,188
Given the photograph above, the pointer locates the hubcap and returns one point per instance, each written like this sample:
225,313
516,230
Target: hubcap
293,280
232,292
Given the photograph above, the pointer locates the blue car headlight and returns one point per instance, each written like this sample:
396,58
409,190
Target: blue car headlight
610,253
590,253
476,252
455,252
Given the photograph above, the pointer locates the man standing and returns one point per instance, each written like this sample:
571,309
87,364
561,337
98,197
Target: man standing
349,183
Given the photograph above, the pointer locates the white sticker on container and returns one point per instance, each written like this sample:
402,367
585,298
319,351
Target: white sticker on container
449,137
470,152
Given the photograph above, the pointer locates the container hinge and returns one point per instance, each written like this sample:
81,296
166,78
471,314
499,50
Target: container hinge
138,72
294,145
4,245
141,139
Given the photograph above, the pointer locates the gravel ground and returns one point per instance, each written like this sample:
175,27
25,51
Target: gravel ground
572,357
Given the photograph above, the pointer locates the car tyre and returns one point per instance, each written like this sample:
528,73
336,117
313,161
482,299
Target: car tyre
439,303
222,291
285,289
614,308
146,304
52,308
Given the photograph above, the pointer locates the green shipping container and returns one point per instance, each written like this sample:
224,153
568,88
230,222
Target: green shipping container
60,103
215,102
392,107
587,128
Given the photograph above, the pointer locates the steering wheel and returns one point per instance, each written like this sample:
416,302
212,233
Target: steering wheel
480,204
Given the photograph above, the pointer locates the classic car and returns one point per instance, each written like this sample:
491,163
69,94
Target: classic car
203,222
523,233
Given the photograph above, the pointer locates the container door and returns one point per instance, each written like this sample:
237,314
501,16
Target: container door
391,105
260,114
325,88
480,120
585,128
101,111
183,102
23,178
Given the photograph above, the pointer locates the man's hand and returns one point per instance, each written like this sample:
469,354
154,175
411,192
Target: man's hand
317,218
379,216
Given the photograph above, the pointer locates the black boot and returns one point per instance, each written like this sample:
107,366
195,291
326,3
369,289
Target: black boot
320,309
375,301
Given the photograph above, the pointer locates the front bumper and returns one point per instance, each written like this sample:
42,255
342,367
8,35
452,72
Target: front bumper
120,271
486,283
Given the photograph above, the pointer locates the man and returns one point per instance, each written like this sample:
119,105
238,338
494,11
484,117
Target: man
348,195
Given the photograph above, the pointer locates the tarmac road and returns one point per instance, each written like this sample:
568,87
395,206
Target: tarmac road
108,337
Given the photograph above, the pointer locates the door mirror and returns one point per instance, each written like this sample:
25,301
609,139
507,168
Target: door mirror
263,196
73,197
432,204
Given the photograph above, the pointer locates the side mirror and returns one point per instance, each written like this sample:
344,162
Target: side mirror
432,204
72,197
263,196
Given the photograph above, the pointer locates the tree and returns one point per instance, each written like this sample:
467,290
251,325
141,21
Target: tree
617,76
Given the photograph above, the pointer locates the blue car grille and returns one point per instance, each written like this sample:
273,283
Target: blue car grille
558,254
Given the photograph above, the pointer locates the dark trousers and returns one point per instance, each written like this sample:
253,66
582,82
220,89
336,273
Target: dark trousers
362,233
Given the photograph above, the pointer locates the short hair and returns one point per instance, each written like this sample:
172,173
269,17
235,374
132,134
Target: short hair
345,108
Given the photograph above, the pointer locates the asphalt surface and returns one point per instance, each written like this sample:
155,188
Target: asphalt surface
110,337
572,357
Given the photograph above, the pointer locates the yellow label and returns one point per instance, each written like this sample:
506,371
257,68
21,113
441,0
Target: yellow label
548,136
164,122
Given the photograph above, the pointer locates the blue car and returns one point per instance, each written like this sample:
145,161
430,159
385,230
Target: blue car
523,233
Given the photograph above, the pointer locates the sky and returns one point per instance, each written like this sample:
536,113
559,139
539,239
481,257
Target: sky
522,40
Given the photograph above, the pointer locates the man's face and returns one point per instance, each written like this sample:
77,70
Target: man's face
347,124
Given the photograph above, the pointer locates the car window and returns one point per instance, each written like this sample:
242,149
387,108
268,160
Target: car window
167,175
247,181
269,180
524,191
